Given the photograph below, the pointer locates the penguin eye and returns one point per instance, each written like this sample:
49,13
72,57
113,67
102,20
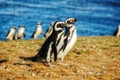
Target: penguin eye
59,25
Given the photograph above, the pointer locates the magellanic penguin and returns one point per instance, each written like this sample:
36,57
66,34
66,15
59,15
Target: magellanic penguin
70,38
11,34
49,46
60,36
117,32
21,32
38,31
49,30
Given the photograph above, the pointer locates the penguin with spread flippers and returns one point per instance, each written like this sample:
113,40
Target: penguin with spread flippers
21,32
49,47
38,31
117,31
70,38
11,33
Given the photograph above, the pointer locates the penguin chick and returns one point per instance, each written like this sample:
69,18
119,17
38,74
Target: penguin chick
11,33
21,32
49,46
38,31
70,38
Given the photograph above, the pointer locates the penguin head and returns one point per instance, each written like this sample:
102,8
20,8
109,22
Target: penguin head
52,23
39,23
13,27
70,20
21,26
59,25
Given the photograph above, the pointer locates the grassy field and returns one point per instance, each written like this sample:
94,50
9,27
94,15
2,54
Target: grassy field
92,58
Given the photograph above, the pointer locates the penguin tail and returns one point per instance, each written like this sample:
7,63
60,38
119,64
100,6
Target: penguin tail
26,58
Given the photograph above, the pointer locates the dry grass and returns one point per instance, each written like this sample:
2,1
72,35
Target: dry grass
92,58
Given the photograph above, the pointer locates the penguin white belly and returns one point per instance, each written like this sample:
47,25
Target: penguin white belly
118,33
38,32
60,43
39,29
69,46
20,33
11,34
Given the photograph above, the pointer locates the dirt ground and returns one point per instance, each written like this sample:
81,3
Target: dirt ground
92,58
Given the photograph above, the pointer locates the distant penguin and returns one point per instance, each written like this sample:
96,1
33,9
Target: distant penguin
21,32
11,34
38,31
49,30
117,31
70,38
49,46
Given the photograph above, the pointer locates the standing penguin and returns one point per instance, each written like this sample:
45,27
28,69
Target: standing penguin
117,32
70,38
38,31
49,30
21,32
11,33
49,46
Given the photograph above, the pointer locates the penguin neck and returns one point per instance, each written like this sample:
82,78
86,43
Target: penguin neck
69,25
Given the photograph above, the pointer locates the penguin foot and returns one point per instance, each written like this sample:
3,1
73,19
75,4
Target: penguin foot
64,64
49,65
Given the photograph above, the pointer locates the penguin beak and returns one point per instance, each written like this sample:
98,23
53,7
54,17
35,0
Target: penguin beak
63,24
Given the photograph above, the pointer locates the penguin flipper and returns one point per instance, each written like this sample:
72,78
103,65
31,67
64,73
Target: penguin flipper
65,44
7,33
115,33
33,34
54,47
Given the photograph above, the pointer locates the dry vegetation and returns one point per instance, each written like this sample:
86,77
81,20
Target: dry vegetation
92,58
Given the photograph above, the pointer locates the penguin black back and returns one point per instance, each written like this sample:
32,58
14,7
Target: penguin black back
50,42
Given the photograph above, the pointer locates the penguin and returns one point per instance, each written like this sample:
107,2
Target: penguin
38,31
49,47
117,31
11,33
21,32
49,30
70,38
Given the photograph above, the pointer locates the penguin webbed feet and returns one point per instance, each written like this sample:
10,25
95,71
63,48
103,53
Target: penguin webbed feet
64,64
61,62
48,64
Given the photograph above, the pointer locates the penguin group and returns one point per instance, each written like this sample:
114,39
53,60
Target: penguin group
60,38
13,35
20,33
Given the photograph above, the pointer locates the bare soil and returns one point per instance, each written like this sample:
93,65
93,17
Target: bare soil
92,58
